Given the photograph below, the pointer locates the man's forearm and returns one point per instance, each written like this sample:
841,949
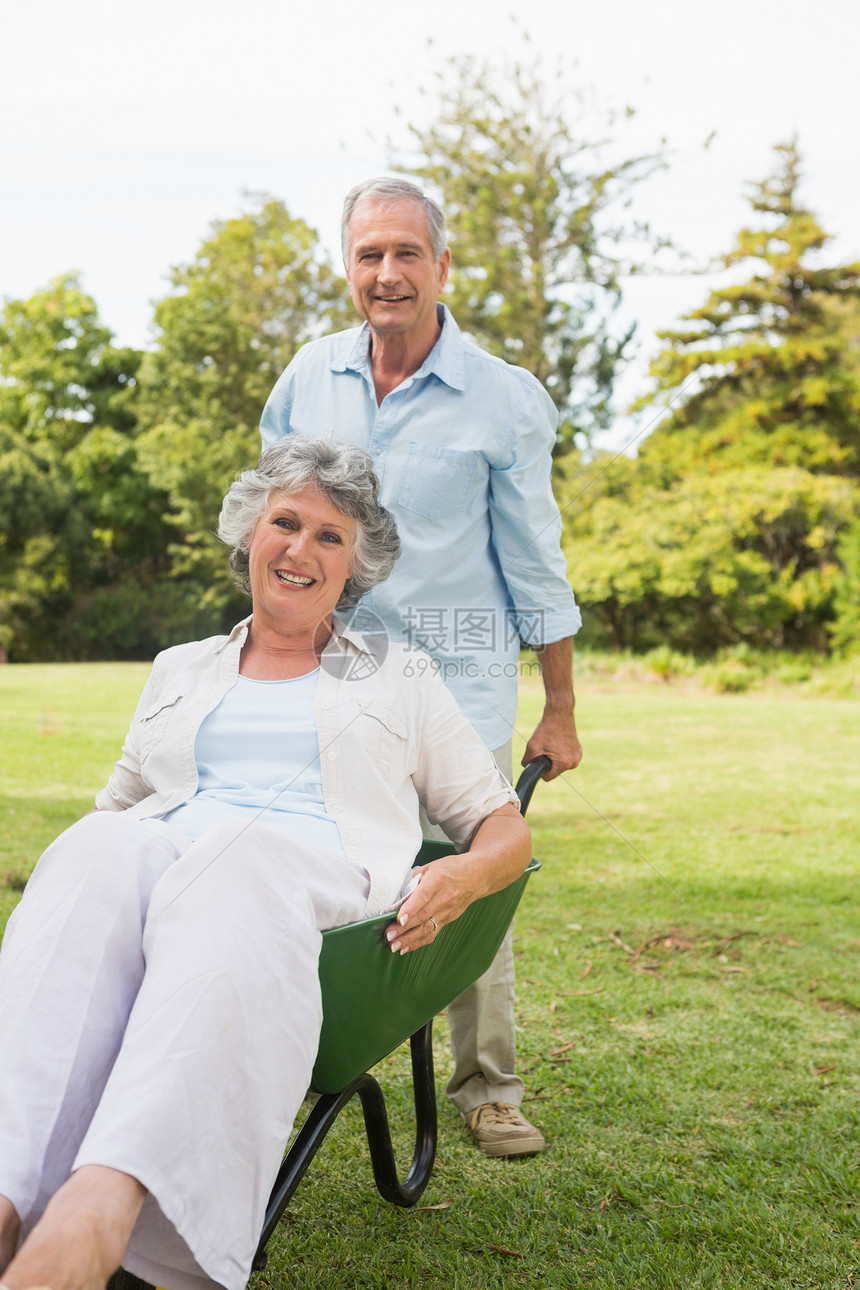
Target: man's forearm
556,735
556,666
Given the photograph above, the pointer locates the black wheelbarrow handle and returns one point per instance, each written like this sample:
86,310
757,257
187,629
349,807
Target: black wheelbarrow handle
529,778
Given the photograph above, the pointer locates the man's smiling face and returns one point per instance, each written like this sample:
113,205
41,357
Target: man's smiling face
394,278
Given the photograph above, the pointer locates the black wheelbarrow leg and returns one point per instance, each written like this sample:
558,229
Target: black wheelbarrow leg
323,1115
385,1174
294,1166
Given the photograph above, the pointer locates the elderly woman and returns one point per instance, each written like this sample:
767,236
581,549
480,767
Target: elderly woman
159,1000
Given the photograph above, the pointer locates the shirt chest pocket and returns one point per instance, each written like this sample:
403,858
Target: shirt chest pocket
385,740
436,481
154,723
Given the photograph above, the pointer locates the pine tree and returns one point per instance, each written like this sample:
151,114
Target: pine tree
775,359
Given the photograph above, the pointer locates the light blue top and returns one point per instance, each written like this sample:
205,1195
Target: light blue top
463,452
258,756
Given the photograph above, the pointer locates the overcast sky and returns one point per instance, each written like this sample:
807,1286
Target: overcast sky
125,129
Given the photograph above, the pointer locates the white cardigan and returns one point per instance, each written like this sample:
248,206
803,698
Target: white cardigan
390,735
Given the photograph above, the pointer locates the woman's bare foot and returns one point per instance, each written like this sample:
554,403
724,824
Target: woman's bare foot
82,1236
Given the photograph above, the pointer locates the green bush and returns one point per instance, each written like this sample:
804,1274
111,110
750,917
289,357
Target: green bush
711,561
668,663
729,677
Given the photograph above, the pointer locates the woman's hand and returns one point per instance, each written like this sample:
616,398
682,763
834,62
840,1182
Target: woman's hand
443,892
500,852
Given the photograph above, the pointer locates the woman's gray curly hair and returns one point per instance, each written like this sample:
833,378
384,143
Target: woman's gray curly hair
345,475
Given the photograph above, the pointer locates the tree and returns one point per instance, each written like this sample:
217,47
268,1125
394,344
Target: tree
729,525
81,527
258,288
536,255
60,372
775,359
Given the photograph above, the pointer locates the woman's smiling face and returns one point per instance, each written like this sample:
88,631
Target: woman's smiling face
299,559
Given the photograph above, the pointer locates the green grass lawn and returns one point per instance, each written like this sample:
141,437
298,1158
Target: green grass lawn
688,1003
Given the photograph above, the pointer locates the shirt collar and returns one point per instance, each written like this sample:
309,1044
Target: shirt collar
239,633
445,360
340,631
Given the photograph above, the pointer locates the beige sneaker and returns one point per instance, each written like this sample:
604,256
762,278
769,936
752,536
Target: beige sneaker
501,1129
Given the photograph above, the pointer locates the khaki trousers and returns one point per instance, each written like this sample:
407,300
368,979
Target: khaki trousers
481,1020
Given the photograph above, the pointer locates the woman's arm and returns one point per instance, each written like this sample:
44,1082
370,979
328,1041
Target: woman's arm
499,852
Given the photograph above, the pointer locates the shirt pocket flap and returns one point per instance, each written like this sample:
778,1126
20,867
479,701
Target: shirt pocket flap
385,739
158,705
392,720
154,721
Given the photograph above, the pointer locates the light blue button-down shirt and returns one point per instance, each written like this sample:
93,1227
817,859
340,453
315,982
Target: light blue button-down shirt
462,449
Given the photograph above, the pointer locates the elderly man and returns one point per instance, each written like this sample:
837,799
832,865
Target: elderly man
462,443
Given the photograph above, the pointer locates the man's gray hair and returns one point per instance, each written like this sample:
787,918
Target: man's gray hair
344,474
387,190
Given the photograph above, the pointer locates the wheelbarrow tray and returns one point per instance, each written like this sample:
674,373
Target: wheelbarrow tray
374,998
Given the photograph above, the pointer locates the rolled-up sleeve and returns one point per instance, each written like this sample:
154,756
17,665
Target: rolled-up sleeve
127,786
527,524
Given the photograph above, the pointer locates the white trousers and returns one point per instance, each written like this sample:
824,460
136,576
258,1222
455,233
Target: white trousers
160,1014
481,1021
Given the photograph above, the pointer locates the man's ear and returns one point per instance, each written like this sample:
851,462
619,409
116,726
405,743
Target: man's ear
444,266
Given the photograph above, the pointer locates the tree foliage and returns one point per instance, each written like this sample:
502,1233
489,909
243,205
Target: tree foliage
258,288
714,560
81,526
537,223
775,358
728,527
113,464
845,629
60,373
739,521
